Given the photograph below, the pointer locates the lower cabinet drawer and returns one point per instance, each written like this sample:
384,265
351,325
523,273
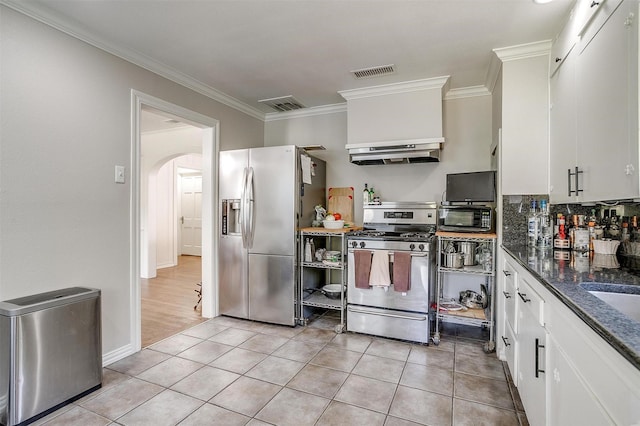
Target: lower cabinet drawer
510,351
389,323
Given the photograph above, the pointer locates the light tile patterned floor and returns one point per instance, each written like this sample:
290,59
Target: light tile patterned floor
234,372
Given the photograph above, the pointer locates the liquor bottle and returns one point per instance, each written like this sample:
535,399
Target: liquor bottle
533,225
372,194
625,235
365,195
545,235
561,238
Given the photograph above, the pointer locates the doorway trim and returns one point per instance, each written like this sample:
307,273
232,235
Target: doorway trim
210,151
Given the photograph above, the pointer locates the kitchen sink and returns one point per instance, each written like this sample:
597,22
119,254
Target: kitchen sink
623,298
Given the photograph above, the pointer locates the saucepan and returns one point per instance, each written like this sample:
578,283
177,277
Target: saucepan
453,260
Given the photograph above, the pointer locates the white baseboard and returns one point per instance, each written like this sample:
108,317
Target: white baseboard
117,355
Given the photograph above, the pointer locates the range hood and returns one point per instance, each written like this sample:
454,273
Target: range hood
395,152
399,123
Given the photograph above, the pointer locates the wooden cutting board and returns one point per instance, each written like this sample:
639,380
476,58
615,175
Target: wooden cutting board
340,200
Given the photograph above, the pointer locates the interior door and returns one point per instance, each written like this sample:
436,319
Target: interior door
191,220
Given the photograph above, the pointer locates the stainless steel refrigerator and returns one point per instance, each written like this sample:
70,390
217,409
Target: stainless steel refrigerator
264,200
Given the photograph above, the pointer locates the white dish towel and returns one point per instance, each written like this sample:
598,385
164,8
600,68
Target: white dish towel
379,275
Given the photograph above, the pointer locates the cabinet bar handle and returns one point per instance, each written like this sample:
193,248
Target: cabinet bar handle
576,173
578,190
506,341
506,295
558,60
506,273
594,3
538,347
524,297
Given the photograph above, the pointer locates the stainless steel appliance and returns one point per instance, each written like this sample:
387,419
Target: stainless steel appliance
264,200
466,219
50,352
407,227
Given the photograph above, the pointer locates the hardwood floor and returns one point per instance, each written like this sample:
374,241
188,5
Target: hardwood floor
168,300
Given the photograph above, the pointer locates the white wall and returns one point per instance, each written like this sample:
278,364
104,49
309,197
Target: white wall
468,133
168,208
157,149
66,122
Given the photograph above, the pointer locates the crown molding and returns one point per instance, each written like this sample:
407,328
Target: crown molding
523,51
306,112
466,92
394,88
33,11
495,65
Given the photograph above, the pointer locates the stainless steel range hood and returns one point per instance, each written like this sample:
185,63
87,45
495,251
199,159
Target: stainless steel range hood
395,152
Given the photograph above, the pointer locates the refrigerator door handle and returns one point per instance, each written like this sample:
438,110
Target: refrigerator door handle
243,208
250,211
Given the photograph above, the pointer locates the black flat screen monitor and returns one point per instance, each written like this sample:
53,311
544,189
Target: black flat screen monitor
474,187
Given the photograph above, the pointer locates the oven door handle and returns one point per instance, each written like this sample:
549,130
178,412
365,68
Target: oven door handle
387,314
421,254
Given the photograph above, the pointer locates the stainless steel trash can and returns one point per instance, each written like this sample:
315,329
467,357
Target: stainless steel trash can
50,352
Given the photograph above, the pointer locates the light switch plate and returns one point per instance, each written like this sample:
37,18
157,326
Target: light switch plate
119,174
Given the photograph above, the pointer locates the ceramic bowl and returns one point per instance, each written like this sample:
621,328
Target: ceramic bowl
333,224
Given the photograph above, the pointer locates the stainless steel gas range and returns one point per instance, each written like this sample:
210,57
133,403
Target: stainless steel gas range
391,276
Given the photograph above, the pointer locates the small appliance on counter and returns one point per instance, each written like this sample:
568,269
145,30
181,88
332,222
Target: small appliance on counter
468,188
466,219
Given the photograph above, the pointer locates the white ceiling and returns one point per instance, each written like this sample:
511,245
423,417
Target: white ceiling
247,50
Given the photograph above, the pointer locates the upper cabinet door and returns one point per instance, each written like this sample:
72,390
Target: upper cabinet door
524,151
563,122
594,110
562,45
607,109
590,15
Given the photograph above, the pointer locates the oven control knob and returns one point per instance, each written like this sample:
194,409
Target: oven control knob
362,244
412,246
354,244
421,247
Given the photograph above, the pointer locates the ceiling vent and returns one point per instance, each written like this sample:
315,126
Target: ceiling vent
283,103
374,71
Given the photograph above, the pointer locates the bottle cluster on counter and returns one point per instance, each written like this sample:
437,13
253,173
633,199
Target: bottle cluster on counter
540,226
369,196
578,232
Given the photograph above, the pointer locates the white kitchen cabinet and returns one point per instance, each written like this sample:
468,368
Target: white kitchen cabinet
563,44
570,400
590,15
580,379
564,144
508,328
594,96
524,151
585,19
510,294
531,363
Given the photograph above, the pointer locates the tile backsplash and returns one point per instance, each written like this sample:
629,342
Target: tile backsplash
515,209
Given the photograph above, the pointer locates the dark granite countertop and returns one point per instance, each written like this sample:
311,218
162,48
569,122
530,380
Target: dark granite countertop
563,278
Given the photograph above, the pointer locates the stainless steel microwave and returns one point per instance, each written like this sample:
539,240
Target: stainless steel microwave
466,219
